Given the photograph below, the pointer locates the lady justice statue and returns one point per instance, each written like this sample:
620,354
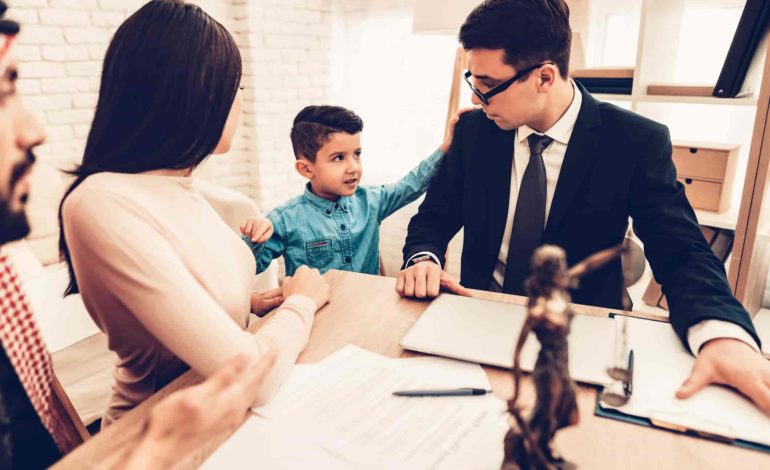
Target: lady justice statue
528,444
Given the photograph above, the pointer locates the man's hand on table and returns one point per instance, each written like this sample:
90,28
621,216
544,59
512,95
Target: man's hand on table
728,361
425,280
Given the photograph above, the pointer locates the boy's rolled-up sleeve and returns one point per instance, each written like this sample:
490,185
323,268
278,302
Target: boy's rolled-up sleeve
396,195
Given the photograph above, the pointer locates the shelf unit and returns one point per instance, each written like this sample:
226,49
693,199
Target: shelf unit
710,100
611,98
762,324
727,219
665,27
751,253
763,233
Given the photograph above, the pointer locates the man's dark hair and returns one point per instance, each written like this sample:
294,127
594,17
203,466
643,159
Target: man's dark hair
169,80
530,31
314,124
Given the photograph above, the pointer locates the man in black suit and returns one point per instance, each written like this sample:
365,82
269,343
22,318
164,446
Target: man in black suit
545,162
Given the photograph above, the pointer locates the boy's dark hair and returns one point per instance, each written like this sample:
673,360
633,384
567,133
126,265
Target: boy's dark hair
7,26
530,31
314,124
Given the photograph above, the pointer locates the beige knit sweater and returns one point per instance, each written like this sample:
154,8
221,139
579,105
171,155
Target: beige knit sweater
168,282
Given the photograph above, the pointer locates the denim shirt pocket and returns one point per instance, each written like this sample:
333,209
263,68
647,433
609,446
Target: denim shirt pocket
319,252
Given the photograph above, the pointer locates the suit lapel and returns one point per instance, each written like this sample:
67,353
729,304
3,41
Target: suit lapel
500,158
581,153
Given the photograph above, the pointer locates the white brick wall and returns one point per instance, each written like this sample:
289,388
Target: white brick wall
60,54
286,47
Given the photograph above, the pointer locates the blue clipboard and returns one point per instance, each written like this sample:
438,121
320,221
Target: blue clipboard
617,414
641,421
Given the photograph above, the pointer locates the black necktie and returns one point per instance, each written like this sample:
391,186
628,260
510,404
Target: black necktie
529,218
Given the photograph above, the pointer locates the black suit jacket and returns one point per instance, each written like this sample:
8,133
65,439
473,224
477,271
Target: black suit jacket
24,441
618,164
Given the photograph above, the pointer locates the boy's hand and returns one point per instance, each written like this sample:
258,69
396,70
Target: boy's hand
450,132
259,230
263,302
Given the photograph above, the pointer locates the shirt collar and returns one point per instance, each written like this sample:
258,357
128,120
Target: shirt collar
562,130
324,205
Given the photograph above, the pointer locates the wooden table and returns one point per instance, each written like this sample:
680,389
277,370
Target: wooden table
365,311
85,370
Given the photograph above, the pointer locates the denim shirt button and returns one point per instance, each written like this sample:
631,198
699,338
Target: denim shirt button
329,211
348,259
343,227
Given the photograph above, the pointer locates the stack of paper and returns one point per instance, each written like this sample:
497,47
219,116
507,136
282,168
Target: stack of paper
340,413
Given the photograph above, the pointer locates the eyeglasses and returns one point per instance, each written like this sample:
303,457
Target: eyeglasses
485,97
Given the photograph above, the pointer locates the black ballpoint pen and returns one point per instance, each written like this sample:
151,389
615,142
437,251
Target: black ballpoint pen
629,383
452,392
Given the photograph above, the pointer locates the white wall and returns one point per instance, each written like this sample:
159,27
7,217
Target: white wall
287,49
399,83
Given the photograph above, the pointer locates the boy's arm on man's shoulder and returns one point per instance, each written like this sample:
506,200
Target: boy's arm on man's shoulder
440,215
274,247
396,195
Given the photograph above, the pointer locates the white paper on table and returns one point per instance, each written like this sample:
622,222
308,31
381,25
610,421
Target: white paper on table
350,405
443,370
661,364
264,445
352,367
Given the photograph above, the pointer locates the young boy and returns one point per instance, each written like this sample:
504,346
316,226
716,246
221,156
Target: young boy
335,223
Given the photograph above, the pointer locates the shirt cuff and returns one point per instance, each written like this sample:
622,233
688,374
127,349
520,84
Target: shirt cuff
705,331
303,305
424,253
252,245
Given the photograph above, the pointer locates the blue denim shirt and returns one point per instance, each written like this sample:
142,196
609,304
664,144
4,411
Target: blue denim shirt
342,234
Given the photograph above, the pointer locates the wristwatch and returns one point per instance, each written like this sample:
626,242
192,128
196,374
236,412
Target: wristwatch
421,258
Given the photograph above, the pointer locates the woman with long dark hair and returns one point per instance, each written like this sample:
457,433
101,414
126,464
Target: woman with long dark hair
161,274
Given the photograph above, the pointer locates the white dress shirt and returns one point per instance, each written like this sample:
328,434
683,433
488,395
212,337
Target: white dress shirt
553,157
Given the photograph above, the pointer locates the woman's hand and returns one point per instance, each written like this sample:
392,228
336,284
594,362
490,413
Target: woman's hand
307,282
